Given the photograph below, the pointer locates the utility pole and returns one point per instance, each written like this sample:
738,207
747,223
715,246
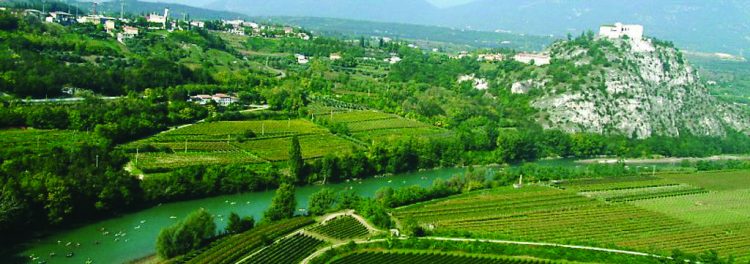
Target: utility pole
122,10
136,156
67,3
97,160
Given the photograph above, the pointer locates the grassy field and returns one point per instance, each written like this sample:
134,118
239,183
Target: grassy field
42,139
715,181
659,223
708,209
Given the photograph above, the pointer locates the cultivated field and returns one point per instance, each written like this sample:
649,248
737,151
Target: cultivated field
235,247
343,227
288,250
642,213
219,143
371,126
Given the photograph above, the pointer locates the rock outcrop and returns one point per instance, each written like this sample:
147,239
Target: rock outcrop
619,90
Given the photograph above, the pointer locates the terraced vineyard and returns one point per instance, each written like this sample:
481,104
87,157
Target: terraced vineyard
644,193
544,214
415,257
343,227
372,125
289,250
160,162
219,143
614,183
234,248
313,146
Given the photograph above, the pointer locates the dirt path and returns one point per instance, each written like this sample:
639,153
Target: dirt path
495,241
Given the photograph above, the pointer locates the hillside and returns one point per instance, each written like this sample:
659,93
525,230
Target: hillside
617,90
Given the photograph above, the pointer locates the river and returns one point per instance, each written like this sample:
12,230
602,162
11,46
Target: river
133,235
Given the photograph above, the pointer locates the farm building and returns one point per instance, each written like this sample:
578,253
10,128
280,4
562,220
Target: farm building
219,98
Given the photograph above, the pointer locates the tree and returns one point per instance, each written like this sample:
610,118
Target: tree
321,201
296,164
187,235
238,225
282,205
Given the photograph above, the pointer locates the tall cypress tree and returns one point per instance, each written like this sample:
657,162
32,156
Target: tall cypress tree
296,164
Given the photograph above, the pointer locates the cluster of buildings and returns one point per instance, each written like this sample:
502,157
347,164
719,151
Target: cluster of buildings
219,98
241,27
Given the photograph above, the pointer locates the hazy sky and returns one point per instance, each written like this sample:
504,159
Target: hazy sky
446,3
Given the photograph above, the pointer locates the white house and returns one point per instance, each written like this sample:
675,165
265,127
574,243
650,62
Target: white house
334,56
199,24
490,57
619,30
219,98
237,23
223,99
109,25
61,17
538,59
128,32
159,19
201,99
236,31
302,59
392,60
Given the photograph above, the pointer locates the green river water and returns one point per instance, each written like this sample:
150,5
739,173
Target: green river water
133,235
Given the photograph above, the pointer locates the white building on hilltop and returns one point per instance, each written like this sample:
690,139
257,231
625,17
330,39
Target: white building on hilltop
633,32
619,30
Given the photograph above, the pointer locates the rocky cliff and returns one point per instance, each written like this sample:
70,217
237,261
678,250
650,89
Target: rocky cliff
617,87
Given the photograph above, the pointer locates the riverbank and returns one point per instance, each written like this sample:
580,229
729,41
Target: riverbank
663,160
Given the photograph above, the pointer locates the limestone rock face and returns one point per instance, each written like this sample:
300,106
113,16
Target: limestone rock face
632,92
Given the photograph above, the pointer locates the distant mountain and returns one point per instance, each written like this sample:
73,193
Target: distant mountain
403,11
717,25
176,10
434,35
